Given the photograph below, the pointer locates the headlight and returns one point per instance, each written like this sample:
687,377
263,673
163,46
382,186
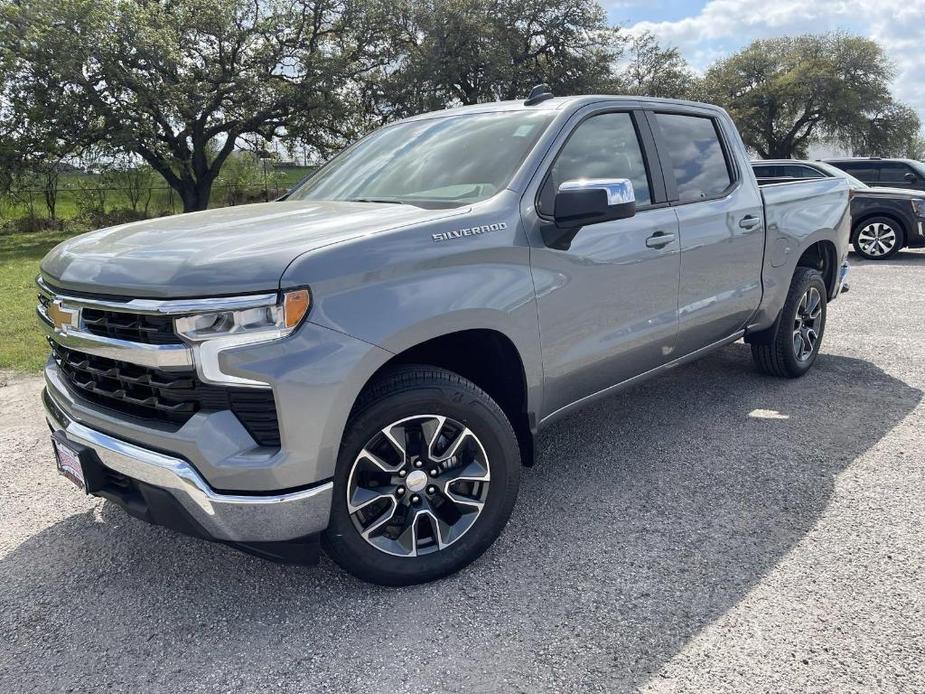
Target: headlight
212,333
250,324
918,207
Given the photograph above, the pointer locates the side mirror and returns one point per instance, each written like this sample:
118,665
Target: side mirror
910,177
593,200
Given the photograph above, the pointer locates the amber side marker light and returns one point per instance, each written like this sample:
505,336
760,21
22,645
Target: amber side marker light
295,305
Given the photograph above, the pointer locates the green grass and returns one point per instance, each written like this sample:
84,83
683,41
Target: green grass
22,345
162,201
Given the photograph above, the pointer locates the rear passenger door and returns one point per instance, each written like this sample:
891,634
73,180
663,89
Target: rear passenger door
721,224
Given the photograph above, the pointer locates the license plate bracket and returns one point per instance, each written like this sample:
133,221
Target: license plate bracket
77,463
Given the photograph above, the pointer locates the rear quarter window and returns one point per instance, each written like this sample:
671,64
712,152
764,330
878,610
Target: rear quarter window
863,170
801,172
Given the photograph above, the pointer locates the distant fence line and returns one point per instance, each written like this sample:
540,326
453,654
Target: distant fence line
277,189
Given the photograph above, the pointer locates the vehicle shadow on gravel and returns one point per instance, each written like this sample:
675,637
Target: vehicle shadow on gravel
647,517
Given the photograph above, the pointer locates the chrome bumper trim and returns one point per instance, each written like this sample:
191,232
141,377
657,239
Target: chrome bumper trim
163,307
228,517
153,356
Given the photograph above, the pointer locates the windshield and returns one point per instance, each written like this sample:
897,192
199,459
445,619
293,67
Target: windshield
438,162
853,183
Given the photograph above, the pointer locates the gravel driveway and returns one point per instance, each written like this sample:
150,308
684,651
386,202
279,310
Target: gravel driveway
712,530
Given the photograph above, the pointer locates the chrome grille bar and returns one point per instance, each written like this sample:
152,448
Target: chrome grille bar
154,356
162,307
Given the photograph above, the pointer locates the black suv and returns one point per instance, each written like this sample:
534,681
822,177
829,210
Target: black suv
892,173
883,220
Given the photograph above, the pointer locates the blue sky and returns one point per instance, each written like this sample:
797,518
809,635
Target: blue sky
630,12
705,30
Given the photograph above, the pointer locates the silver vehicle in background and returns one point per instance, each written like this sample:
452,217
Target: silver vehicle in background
367,362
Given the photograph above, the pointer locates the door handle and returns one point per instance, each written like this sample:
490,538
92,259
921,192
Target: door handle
749,222
659,239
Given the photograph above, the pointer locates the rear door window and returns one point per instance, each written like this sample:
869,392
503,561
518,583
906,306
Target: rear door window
603,146
894,174
866,171
701,168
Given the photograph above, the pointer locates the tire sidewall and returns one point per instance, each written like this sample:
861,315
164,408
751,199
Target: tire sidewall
897,229
805,280
467,405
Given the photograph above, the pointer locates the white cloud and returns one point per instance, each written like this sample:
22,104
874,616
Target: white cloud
722,26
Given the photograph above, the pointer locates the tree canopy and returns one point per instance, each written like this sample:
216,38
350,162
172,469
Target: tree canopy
786,93
652,70
181,84
471,51
167,80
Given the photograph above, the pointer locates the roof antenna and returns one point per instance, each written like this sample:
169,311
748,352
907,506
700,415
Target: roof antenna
539,93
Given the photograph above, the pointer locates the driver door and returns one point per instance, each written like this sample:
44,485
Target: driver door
608,304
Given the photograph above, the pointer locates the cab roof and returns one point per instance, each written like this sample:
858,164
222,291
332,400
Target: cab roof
561,103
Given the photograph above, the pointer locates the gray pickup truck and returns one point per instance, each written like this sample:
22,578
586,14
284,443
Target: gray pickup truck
364,365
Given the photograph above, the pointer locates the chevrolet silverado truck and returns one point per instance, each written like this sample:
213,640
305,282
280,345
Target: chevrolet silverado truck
363,366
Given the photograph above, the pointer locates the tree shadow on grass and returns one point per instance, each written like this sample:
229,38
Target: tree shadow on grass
647,517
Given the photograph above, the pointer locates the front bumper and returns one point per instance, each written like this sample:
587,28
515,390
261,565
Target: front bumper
234,518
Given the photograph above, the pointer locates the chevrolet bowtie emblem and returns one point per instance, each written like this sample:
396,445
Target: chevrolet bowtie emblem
61,317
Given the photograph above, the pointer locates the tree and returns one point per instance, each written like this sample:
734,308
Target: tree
178,82
458,52
249,174
39,126
135,180
651,70
786,93
891,131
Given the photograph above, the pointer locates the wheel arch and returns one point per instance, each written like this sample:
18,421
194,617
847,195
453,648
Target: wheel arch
488,358
823,256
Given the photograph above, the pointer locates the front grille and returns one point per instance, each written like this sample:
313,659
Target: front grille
166,396
135,327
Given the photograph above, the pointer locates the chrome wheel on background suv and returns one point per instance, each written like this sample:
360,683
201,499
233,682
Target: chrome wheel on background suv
878,238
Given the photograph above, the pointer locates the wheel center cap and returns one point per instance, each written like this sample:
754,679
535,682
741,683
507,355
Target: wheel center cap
416,480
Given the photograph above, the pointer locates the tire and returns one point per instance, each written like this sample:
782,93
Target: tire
410,423
878,238
784,354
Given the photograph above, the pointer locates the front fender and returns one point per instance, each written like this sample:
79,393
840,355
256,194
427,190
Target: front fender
399,289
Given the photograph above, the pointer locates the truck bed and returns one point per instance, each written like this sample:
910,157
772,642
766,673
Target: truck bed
798,213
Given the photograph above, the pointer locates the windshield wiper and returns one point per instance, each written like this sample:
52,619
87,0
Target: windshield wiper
391,201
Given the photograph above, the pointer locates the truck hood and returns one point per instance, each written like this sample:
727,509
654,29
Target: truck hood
234,250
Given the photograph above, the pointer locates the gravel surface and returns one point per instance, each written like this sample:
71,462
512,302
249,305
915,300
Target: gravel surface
712,530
